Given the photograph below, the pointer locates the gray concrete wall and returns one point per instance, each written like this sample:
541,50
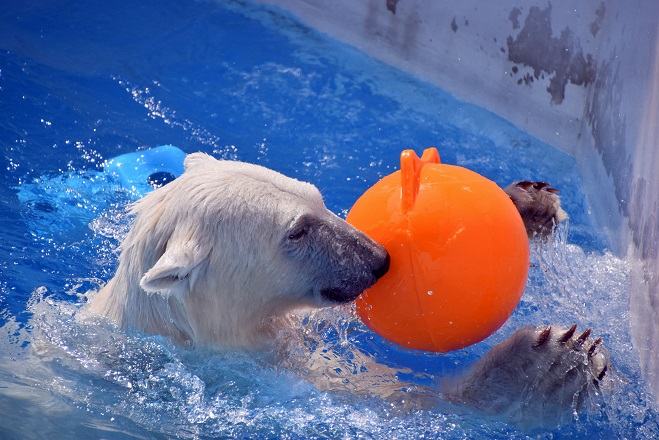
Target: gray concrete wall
582,76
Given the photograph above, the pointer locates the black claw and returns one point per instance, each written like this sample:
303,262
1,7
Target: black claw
543,336
593,348
525,184
537,186
568,334
583,336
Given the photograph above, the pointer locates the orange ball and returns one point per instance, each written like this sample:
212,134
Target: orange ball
459,255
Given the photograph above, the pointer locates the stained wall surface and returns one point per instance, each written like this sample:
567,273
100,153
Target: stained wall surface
582,76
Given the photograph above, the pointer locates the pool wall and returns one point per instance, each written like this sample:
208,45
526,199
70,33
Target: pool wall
582,76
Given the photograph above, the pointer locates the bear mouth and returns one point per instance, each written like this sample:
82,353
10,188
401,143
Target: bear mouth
339,296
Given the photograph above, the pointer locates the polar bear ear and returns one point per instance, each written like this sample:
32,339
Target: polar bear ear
196,159
175,271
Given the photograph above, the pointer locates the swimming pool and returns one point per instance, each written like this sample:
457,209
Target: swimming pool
82,83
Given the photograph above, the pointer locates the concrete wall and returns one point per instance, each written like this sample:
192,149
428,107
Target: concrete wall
582,76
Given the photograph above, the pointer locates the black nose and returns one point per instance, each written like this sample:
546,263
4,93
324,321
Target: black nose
380,271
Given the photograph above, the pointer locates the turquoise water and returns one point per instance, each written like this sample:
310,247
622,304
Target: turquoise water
81,83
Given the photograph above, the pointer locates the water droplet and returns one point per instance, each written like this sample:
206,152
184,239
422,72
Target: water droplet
430,292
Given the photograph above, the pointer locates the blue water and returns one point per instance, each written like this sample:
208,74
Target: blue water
81,82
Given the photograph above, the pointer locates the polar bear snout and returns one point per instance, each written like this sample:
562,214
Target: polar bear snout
349,291
353,263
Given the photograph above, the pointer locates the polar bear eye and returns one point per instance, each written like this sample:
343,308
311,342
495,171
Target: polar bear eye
300,229
298,234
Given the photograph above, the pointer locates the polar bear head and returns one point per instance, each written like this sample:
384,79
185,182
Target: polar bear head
228,247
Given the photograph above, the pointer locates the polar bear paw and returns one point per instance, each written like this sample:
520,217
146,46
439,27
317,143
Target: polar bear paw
539,205
539,376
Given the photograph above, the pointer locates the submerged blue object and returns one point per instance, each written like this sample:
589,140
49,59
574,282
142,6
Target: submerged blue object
142,171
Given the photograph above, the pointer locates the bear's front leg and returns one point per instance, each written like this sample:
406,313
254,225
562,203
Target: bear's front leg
540,376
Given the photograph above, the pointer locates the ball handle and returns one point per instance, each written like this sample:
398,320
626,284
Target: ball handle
410,176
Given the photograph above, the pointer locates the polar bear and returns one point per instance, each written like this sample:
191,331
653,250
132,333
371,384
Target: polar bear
222,255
